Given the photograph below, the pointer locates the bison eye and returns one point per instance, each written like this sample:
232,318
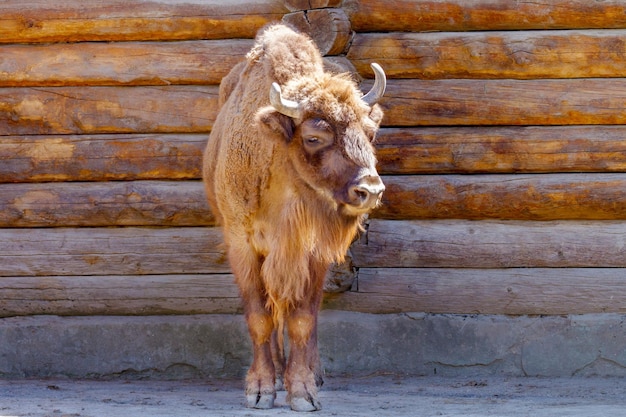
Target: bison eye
313,140
316,143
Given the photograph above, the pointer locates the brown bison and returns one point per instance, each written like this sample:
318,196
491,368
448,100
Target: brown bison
290,173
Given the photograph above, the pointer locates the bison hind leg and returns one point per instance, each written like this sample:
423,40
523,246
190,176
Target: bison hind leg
278,357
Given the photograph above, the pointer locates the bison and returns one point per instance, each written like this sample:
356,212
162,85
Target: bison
290,174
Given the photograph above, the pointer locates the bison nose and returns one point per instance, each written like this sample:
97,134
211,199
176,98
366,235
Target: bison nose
366,194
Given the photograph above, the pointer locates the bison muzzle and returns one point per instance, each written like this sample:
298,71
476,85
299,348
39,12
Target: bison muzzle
290,174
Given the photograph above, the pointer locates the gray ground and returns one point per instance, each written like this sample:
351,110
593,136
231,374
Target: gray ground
377,396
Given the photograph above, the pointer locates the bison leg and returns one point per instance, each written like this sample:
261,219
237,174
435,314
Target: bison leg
260,390
303,375
278,357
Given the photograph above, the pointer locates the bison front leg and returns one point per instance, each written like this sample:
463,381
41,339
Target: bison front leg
260,390
260,381
303,376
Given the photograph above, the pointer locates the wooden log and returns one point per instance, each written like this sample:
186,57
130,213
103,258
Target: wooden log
466,15
510,197
516,291
295,5
122,63
329,28
504,102
519,55
125,203
119,295
111,251
183,203
117,20
491,244
471,150
101,157
89,110
443,150
123,295
192,109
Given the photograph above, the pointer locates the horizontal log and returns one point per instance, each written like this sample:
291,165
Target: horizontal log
125,203
119,295
518,291
111,251
192,109
117,20
519,55
124,294
491,244
89,110
511,197
122,63
507,149
465,15
183,203
101,157
400,151
505,102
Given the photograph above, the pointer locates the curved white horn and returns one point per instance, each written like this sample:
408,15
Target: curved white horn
378,89
287,107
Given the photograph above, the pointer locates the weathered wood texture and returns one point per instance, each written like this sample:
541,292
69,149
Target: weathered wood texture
97,92
111,251
187,109
101,157
295,5
119,295
69,110
530,149
329,28
121,63
183,203
517,197
123,203
465,15
438,150
492,244
520,55
516,291
380,290
117,20
505,102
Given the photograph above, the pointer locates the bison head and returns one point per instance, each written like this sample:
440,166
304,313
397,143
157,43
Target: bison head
328,128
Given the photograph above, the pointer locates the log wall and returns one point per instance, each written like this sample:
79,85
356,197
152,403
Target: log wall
502,149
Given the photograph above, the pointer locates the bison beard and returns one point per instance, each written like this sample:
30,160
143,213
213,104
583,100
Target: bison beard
290,173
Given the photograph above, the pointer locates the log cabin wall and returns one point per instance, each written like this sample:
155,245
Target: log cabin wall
502,150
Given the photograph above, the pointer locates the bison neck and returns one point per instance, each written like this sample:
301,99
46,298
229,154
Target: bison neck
297,233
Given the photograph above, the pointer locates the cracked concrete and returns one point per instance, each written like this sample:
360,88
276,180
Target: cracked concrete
204,346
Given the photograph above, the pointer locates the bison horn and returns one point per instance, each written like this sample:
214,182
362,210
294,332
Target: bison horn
378,89
287,107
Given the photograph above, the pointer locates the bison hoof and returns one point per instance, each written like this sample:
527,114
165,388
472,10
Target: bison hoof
261,401
304,404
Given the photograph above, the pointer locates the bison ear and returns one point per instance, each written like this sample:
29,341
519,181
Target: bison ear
277,123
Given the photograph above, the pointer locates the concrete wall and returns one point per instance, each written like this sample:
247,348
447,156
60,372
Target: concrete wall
205,346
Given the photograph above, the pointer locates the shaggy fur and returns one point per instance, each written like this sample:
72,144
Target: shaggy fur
281,189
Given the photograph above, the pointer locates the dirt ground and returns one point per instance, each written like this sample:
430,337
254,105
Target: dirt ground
377,396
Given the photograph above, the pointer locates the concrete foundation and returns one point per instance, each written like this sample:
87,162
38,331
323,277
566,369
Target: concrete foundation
202,346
